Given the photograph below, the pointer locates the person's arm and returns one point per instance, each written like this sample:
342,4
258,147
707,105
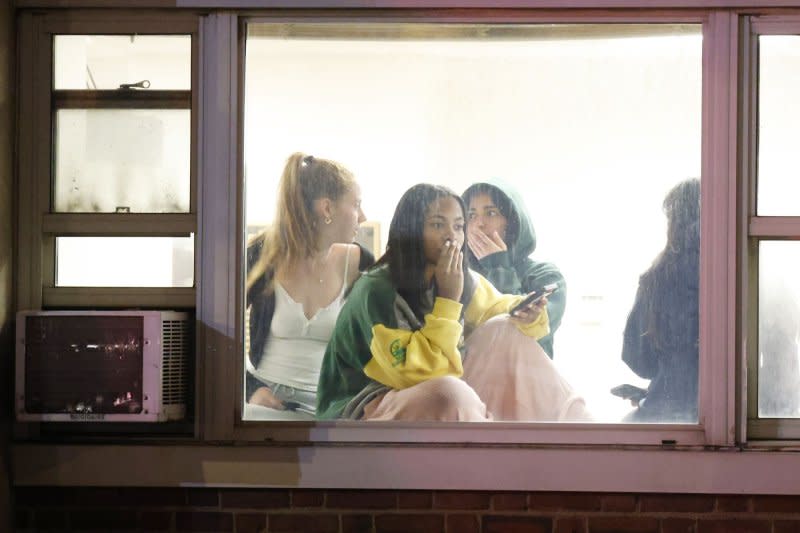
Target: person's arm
534,275
401,357
487,302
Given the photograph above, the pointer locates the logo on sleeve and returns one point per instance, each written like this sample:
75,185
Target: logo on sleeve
398,351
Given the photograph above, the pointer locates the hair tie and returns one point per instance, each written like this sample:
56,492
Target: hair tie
307,160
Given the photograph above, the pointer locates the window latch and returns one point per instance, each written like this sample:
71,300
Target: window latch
144,84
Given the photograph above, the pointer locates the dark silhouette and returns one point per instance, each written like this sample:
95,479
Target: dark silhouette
662,332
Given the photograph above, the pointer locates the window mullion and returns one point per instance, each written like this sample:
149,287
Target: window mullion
120,224
719,216
218,280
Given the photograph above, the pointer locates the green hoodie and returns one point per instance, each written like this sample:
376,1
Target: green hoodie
513,271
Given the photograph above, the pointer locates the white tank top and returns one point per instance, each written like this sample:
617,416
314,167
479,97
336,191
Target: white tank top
296,344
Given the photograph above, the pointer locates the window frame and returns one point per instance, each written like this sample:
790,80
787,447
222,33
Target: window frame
770,431
40,100
718,97
712,457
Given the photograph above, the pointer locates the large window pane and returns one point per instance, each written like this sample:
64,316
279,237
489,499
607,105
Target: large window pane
593,125
122,160
124,261
778,329
778,117
108,61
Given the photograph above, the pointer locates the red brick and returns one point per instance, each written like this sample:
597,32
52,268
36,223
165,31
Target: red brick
254,499
308,498
733,504
516,524
357,523
103,519
305,523
463,523
42,496
623,524
776,504
570,525
22,519
361,499
786,526
733,526
100,496
251,522
460,500
155,521
677,503
510,501
203,521
415,499
409,523
44,520
563,501
151,497
618,502
202,497
678,525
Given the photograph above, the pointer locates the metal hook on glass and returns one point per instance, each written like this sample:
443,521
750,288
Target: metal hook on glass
144,84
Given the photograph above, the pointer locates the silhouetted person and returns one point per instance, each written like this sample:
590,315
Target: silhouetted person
662,332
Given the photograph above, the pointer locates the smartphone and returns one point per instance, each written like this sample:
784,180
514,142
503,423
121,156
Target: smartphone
629,392
534,297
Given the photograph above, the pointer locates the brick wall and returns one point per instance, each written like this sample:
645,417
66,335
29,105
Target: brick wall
348,511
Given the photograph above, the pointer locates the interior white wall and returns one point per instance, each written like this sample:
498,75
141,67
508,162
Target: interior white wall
593,132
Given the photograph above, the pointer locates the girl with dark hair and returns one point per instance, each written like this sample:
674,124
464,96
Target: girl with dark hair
661,335
298,272
501,241
397,352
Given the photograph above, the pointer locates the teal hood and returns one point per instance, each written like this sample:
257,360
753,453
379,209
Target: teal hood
520,235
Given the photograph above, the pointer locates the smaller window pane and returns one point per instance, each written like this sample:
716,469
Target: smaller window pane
122,160
778,329
778,116
124,261
107,61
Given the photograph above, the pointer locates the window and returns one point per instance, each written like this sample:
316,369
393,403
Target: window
106,180
112,220
774,389
592,125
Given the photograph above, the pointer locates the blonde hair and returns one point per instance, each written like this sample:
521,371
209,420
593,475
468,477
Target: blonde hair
292,235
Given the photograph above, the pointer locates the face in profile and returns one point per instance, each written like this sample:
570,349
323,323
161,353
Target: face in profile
485,216
347,215
444,220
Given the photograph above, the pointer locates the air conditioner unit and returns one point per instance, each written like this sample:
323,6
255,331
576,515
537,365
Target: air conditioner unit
105,366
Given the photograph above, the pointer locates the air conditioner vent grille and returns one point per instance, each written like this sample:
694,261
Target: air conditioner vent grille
175,372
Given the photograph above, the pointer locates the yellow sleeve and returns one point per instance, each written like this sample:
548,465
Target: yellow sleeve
486,303
402,358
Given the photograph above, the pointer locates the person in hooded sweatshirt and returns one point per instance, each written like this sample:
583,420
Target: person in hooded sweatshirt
501,240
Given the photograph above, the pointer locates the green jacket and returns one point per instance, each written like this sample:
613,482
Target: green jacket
378,344
513,271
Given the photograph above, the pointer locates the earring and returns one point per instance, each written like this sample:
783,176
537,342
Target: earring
328,220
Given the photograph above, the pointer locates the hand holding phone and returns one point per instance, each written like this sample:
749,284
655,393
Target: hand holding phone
534,298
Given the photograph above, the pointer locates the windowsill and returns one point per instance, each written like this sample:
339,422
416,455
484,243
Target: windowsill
411,466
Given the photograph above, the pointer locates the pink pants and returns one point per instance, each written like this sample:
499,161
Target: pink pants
507,376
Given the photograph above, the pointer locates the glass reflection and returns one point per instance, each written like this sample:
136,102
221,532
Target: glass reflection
778,330
576,119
